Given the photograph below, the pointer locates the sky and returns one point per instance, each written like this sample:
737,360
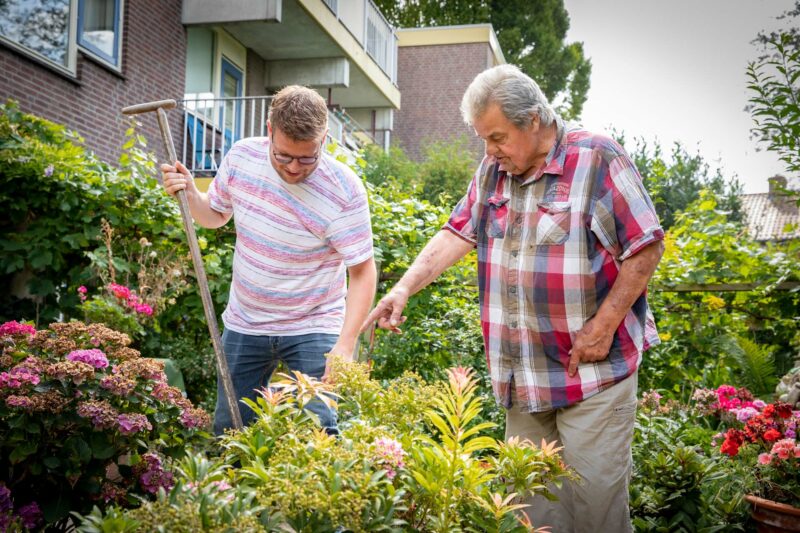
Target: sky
674,70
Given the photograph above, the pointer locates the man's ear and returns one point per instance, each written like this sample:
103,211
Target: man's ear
269,129
535,122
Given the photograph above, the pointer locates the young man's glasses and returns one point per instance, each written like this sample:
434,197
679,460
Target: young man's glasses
284,159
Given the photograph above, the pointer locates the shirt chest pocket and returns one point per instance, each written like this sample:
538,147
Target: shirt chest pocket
497,217
553,222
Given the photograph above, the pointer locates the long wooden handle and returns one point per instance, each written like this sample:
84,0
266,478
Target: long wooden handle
202,280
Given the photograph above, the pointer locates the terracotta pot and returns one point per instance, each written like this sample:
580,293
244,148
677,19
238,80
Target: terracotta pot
773,517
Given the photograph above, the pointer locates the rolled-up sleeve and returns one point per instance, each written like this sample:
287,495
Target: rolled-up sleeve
624,218
464,219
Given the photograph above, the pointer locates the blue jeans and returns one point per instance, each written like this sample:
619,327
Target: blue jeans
253,358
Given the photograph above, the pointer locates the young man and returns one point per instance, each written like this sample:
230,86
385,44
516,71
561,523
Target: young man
302,223
567,239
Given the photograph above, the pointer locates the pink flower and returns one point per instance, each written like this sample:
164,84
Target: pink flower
82,293
764,458
195,418
130,423
93,357
120,291
15,328
744,414
18,377
23,402
389,454
152,475
143,309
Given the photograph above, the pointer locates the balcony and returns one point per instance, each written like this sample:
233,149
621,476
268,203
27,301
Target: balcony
212,125
307,42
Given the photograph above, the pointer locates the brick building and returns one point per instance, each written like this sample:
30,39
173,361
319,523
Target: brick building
90,66
79,62
435,66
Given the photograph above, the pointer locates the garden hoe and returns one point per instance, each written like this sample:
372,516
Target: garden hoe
160,108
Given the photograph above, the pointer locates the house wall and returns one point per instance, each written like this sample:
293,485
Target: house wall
153,68
432,80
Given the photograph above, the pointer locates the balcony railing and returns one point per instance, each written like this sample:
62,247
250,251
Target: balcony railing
372,31
212,125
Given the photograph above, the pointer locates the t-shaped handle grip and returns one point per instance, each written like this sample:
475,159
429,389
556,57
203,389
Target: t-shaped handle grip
149,106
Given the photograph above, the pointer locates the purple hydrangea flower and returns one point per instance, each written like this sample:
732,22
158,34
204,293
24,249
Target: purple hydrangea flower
152,475
31,515
130,423
93,357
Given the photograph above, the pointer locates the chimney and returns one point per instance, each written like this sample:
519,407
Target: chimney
777,184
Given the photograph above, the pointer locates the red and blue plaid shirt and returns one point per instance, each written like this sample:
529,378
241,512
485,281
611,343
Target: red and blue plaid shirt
549,250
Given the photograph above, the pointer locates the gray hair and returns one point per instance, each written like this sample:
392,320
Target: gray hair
518,96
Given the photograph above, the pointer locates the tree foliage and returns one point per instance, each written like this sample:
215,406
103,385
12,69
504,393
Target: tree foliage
531,35
675,181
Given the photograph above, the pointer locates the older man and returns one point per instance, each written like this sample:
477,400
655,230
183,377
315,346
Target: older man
567,239
301,218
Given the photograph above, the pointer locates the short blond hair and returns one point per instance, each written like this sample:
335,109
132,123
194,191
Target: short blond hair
299,112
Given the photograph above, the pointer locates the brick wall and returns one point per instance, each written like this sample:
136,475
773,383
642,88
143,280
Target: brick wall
153,68
432,80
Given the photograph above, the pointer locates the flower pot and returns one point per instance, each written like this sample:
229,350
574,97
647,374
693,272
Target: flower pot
773,517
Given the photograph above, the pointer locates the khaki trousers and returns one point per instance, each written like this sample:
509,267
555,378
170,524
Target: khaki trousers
596,435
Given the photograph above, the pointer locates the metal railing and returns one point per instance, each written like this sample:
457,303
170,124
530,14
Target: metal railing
206,141
380,40
373,32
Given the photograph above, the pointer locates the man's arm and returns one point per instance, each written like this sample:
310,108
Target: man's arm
441,252
178,177
593,341
360,294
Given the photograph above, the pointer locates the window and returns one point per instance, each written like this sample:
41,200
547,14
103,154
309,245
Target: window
44,27
51,30
99,23
231,87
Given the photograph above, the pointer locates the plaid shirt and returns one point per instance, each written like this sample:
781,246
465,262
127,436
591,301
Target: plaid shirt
549,250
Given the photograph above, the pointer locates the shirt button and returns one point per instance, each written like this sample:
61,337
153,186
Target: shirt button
512,289
513,325
515,253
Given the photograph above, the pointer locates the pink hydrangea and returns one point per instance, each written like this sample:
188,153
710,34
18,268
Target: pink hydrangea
130,423
93,357
152,475
23,402
195,418
18,377
15,328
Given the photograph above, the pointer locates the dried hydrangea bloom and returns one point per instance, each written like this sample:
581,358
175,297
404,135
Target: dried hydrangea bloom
51,401
76,371
118,384
143,367
102,414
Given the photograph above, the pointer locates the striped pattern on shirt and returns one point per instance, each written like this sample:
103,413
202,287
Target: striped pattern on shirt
293,241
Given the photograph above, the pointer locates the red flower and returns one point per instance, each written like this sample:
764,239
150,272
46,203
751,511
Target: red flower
784,410
771,435
733,440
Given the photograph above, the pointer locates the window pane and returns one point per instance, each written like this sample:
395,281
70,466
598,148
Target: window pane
98,25
230,88
39,25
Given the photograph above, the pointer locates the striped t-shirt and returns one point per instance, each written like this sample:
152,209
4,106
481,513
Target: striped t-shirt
293,241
